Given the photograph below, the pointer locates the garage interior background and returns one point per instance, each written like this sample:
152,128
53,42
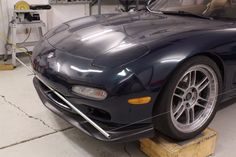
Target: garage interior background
57,15
16,85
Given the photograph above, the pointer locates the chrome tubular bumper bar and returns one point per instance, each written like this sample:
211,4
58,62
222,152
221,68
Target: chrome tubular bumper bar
102,131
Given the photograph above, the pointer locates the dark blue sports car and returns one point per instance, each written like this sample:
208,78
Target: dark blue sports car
126,76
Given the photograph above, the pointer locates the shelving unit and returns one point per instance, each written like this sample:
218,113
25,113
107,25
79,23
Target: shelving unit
92,3
99,4
12,45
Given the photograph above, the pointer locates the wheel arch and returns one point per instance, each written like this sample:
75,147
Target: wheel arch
217,60
211,56
163,123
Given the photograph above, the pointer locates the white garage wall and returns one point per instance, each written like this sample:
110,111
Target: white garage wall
62,13
57,15
1,28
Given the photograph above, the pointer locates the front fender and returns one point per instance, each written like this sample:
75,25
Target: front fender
167,55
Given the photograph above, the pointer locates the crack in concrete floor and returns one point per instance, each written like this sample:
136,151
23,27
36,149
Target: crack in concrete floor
35,138
25,113
45,124
31,117
126,151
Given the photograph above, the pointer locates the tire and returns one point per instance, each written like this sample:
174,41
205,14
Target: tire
184,106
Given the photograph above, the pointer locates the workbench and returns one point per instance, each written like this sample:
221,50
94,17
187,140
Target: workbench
99,4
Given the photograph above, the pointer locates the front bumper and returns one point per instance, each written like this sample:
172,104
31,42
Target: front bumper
123,134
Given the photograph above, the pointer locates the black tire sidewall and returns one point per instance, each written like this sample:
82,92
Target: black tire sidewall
163,123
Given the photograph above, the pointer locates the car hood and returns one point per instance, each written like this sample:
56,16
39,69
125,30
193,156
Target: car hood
115,39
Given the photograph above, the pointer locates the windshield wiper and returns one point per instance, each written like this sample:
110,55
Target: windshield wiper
185,13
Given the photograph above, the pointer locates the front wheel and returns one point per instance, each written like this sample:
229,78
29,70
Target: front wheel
189,99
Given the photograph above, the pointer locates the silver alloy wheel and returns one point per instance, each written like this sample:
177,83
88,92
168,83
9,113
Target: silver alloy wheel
194,98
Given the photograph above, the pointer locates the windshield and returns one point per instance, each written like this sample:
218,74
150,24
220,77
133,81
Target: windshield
218,9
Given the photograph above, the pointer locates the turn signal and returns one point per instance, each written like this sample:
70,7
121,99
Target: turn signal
140,101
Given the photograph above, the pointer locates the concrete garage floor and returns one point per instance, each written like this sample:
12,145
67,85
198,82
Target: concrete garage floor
28,129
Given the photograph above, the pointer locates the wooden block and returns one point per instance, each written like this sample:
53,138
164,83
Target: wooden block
6,67
201,146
